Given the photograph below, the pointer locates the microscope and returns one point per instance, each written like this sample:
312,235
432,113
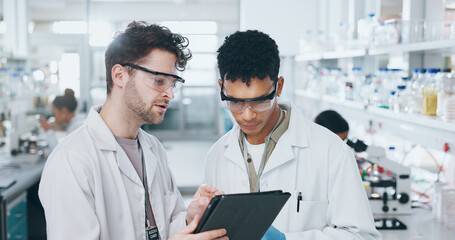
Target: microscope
387,184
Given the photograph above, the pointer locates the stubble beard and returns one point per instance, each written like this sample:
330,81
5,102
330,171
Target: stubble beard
139,108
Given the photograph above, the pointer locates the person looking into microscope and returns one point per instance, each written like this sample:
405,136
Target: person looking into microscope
66,120
333,121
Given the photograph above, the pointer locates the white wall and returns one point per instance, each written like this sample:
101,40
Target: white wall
285,20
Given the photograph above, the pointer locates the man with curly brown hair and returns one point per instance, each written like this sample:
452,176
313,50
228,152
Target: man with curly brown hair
274,147
109,179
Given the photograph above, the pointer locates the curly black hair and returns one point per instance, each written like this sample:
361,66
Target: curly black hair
136,42
248,54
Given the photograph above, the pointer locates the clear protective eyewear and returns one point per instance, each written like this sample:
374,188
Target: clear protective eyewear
159,81
260,104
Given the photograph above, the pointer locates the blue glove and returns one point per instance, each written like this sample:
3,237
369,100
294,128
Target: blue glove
273,234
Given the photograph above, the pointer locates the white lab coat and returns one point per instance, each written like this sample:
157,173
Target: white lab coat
308,159
53,137
90,190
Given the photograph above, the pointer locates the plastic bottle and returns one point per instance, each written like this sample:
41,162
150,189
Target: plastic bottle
307,43
430,96
393,80
415,74
336,83
355,81
398,100
391,33
324,80
366,28
364,91
377,89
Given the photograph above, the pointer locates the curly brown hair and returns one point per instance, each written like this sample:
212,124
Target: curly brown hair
136,42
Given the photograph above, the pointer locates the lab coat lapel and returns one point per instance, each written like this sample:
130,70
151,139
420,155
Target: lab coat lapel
106,142
295,137
233,152
281,154
126,166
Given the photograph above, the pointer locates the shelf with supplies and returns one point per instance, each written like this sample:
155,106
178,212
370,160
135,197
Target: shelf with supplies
376,50
10,57
425,130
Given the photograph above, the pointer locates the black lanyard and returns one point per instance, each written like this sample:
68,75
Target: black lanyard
144,183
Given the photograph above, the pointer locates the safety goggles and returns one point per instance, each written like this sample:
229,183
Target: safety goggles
157,80
238,105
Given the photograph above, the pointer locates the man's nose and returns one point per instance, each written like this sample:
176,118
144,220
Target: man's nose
248,113
169,92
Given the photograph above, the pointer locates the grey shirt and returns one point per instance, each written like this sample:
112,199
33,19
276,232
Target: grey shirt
134,152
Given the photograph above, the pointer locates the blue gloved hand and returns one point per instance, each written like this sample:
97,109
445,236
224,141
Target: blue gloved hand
273,234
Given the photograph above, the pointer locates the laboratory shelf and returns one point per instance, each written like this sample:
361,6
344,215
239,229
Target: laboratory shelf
309,57
373,51
344,54
412,47
425,130
10,57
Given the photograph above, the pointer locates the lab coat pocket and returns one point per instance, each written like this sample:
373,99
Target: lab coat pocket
310,214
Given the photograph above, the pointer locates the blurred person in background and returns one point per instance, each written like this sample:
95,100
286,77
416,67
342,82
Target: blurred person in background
333,121
66,120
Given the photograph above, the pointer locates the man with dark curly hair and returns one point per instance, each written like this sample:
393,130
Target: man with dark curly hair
274,147
109,179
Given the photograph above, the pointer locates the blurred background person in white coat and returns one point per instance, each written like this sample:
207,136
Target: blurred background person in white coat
66,120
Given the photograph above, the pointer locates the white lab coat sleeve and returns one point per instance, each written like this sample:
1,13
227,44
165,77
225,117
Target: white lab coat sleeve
67,198
349,215
51,139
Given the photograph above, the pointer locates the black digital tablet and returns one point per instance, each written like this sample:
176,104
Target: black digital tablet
245,215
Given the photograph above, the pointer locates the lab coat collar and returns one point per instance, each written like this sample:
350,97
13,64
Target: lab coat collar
105,140
150,158
298,129
233,151
295,136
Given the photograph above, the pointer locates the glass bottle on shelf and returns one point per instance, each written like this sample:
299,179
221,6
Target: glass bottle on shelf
444,88
15,85
3,82
354,82
366,28
429,102
335,84
398,100
394,79
414,104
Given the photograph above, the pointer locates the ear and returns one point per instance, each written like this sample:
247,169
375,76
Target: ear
280,86
119,75
220,82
